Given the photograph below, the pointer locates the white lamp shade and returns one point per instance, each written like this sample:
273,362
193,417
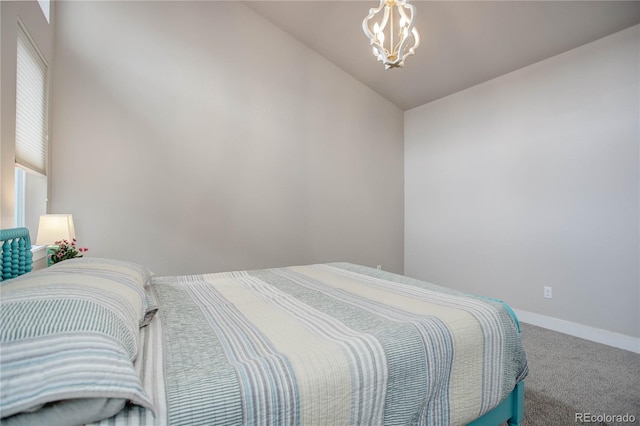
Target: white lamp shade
55,227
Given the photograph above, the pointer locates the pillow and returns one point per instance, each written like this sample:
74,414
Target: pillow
70,412
138,273
71,333
126,274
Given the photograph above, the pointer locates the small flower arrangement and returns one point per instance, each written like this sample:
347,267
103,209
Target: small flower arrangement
66,250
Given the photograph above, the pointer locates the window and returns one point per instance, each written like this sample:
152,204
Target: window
31,133
20,198
30,200
31,107
45,5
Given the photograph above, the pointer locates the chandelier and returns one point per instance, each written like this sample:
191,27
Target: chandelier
391,32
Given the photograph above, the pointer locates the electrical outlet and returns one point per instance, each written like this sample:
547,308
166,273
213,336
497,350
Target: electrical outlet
548,293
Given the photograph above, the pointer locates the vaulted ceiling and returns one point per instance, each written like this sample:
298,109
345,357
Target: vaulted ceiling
463,43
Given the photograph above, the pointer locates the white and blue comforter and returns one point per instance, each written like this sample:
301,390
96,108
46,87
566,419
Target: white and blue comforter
323,345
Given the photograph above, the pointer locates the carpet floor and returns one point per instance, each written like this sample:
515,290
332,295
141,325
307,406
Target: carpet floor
569,377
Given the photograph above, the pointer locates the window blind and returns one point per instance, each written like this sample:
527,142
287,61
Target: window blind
31,106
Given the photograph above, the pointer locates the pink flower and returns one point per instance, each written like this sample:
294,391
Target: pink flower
67,250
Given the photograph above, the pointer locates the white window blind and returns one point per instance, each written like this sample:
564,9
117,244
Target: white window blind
31,106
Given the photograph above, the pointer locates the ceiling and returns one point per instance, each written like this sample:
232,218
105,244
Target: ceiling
463,43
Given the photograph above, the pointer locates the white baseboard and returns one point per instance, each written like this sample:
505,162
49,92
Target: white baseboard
598,335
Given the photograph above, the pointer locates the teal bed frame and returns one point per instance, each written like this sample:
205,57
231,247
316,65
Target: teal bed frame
511,410
15,253
16,259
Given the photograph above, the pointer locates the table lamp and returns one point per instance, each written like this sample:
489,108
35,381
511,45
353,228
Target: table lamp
53,228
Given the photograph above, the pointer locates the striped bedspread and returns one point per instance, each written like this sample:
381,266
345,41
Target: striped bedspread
332,344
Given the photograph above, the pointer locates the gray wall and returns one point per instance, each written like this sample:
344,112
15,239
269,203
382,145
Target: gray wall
197,137
532,180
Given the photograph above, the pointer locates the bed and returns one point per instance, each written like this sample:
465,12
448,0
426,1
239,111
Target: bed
105,342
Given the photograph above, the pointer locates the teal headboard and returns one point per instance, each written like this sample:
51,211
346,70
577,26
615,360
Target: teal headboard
15,253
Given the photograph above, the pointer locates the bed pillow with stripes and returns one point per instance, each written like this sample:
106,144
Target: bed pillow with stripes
129,274
68,336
